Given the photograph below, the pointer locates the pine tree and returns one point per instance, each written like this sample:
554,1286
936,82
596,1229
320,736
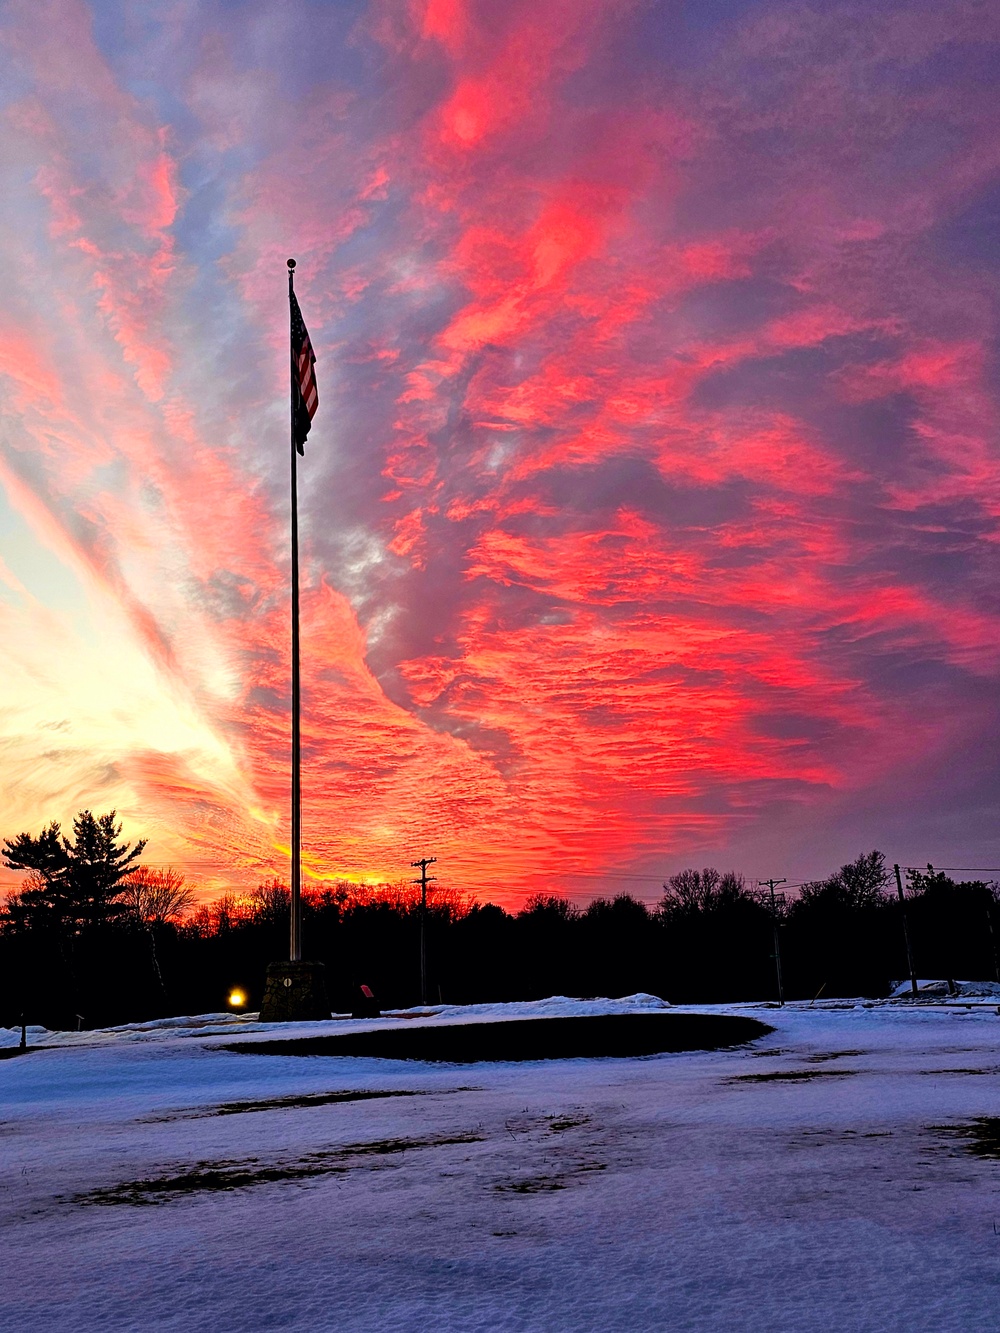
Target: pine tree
72,886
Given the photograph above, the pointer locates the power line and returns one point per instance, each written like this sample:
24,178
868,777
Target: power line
980,870
182,863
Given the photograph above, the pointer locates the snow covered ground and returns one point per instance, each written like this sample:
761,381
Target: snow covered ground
820,1179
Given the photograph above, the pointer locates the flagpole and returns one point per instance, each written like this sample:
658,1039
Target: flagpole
295,991
295,941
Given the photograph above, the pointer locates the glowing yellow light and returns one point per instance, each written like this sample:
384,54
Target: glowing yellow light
237,999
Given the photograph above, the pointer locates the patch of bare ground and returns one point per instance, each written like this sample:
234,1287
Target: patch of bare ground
296,1102
559,1124
819,1137
615,1035
544,1184
831,1055
791,1076
208,1177
937,1073
980,1137
559,1150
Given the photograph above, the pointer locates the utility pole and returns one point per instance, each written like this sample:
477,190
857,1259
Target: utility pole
906,931
423,881
774,926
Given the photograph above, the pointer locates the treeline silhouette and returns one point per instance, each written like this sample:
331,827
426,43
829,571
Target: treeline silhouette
94,938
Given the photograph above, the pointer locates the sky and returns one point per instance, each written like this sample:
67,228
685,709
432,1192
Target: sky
650,513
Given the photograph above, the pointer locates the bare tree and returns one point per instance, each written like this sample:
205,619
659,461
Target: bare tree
269,903
155,897
549,906
696,891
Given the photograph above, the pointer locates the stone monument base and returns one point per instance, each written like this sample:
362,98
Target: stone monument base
295,993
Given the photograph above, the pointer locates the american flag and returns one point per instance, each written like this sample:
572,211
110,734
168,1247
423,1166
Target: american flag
305,395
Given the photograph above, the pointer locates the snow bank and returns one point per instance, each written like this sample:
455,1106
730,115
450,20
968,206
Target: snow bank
556,1006
228,1024
12,1036
901,989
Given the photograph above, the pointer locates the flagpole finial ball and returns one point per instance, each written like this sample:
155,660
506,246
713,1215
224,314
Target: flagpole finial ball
291,263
